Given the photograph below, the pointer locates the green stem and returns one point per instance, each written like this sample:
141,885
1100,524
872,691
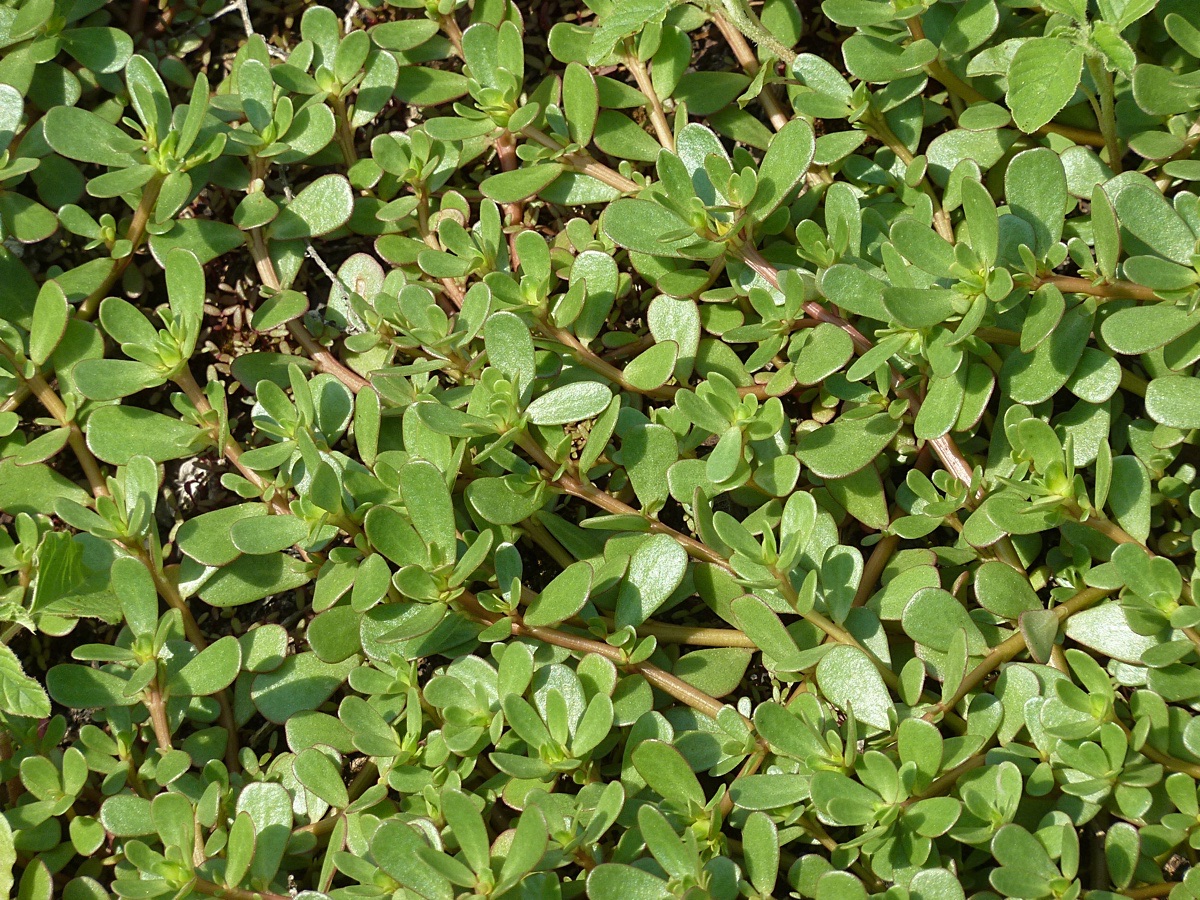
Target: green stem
1007,649
158,716
1105,290
956,87
1149,891
659,678
169,591
53,404
1107,113
325,360
744,18
583,163
745,56
212,889
835,631
658,118
233,450
135,235
345,133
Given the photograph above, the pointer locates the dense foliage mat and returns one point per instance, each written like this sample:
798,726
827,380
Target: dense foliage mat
634,450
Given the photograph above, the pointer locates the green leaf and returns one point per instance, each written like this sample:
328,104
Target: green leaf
1141,329
1150,222
126,815
112,379
678,321
875,59
8,857
624,20
1129,497
1042,78
50,315
1037,376
322,207
314,769
764,627
1040,628
842,800
653,366
403,35
581,103
1174,400
510,348
1002,590
933,617
621,880
648,227
846,445
1122,849
656,569
427,497
186,292
520,184
80,687
717,671
83,136
942,404
302,682
850,681
20,695
208,538
619,136
1105,232
667,772
570,403
562,598
260,535
35,488
116,434
250,578
783,166
210,671
1036,187
825,352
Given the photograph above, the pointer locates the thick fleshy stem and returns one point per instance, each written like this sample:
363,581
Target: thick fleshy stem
888,544
743,17
945,447
325,360
506,152
1106,113
212,889
233,450
1007,649
658,118
158,716
583,163
747,59
1105,290
1150,891
659,678
169,591
53,404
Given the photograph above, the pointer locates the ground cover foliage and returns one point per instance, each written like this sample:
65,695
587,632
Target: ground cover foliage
628,449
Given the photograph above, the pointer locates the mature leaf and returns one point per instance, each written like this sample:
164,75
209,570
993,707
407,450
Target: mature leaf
20,695
1042,78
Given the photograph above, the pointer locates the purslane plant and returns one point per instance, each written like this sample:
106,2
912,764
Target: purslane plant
691,449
